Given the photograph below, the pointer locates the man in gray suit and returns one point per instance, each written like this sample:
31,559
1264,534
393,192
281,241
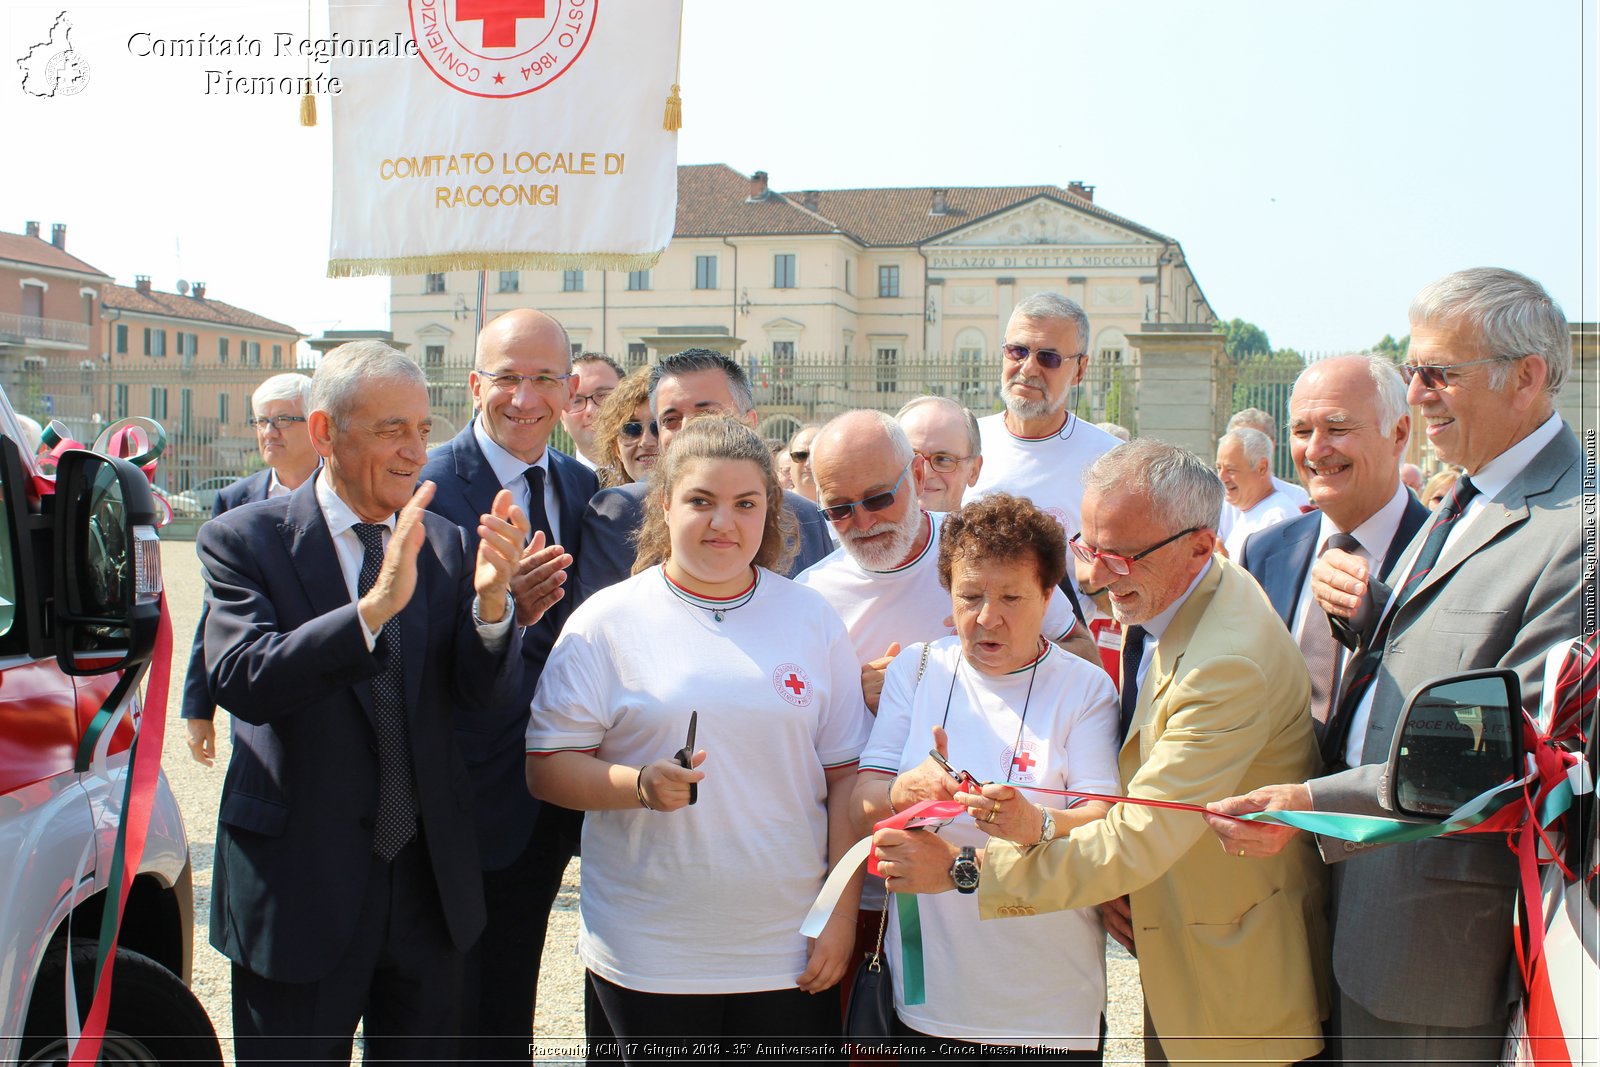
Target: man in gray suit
1423,931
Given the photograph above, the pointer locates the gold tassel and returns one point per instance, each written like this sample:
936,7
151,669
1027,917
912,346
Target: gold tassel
672,120
308,110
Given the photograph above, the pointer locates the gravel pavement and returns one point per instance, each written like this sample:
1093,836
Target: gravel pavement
559,1022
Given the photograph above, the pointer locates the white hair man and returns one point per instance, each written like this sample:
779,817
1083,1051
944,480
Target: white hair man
1244,463
1422,932
280,405
1348,422
1256,419
1036,448
945,435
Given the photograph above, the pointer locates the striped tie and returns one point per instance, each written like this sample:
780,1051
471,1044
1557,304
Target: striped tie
1360,671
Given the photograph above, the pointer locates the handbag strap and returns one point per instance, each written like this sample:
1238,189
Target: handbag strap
922,664
877,950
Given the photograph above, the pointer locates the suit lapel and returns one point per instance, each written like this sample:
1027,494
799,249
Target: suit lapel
310,545
413,623
1297,549
1411,521
1170,648
478,481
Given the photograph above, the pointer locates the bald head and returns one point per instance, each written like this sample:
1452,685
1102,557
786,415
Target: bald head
865,454
861,439
521,381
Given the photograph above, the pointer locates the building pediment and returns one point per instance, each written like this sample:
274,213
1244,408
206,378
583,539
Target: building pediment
434,331
783,325
1040,221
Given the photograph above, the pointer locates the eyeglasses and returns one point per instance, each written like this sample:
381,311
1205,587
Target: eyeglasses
1437,375
633,429
943,462
583,400
277,422
800,456
875,502
1048,358
1115,562
510,383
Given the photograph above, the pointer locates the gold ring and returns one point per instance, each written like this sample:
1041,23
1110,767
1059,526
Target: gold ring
1241,852
992,813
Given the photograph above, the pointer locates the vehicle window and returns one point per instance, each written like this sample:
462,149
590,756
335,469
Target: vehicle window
8,567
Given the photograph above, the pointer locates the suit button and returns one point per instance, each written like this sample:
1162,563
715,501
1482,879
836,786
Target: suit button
366,823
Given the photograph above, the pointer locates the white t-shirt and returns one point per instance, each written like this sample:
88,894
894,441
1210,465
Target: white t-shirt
1046,972
1236,526
709,898
1297,495
906,604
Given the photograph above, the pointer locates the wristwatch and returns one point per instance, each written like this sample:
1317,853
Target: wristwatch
1047,829
964,871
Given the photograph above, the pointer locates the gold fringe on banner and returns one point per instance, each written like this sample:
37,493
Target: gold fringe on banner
308,110
435,264
672,118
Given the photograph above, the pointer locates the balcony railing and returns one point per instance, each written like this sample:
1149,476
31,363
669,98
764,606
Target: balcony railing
32,328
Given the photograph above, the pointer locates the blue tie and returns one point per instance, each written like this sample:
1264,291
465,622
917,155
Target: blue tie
397,801
1132,653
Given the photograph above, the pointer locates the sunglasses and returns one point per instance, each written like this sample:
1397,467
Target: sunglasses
1115,562
875,502
1048,358
1437,376
800,456
633,429
943,462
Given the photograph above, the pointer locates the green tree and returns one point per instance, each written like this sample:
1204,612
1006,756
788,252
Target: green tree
1392,349
1245,340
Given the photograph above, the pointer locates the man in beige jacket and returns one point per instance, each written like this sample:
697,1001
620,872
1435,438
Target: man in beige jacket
1233,956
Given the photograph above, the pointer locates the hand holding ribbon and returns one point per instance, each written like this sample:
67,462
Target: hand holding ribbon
1000,811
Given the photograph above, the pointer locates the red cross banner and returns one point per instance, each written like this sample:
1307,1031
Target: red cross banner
503,135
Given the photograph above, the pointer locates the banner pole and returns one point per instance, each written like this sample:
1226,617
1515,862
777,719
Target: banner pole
482,283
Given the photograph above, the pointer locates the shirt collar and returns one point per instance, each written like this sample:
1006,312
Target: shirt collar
1158,625
339,515
508,468
1493,477
1377,533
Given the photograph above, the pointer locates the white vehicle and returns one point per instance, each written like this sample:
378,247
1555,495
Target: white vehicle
80,583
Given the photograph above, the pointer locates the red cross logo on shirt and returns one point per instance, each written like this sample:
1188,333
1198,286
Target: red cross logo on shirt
499,18
1023,762
792,683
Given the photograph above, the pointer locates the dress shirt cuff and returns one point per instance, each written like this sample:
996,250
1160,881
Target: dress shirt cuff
494,634
368,634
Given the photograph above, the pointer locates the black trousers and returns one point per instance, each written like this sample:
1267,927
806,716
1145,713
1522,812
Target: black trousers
400,977
637,1027
500,984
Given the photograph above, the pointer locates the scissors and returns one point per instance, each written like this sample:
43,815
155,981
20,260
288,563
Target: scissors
685,755
964,780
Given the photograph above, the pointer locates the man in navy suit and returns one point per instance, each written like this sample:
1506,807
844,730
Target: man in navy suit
1348,427
696,381
279,404
344,642
521,383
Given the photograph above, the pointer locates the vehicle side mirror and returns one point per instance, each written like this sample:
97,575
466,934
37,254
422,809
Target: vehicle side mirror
1460,736
107,567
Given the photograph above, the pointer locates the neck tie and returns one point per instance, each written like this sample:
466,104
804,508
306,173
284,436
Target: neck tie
1320,650
397,802
1132,652
538,517
1360,671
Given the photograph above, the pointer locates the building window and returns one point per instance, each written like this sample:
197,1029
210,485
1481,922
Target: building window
185,410
120,408
884,365
638,279
155,342
277,355
638,356
32,300
848,287
158,402
122,339
889,280
222,351
783,271
572,281
969,361
705,272
222,408
577,350
188,345
510,281
433,283
250,353
88,308
433,356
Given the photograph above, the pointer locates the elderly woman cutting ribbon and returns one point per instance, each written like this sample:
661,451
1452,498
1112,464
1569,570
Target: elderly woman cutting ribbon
698,868
1000,701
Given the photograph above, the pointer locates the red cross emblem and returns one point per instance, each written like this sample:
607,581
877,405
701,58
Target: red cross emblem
1023,761
499,18
792,684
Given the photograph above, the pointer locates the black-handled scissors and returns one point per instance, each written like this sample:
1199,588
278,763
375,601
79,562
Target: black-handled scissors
685,755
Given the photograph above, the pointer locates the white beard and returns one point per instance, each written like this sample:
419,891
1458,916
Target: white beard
1032,409
889,544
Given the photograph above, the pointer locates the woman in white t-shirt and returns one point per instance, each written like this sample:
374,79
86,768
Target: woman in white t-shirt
696,879
1001,703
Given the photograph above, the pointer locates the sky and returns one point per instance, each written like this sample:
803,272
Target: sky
1319,161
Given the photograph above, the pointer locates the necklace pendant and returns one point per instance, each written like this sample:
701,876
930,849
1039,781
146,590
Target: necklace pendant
717,615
